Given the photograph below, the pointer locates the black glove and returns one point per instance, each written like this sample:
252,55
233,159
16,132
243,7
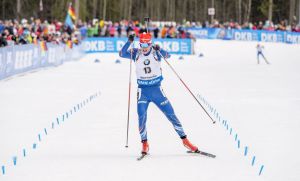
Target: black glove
131,38
156,47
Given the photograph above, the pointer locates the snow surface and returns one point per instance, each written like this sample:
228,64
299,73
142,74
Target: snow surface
260,103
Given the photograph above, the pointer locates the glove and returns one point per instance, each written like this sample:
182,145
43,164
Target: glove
156,47
131,38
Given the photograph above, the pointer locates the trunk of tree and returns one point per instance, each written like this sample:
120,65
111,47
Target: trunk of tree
240,11
224,11
270,12
18,9
292,11
77,7
205,11
129,9
3,9
298,12
152,9
159,11
212,6
173,10
219,10
95,2
167,12
248,10
156,10
104,10
124,9
183,12
216,6
196,11
83,12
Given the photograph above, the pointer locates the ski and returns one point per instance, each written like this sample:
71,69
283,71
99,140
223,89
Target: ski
202,153
141,157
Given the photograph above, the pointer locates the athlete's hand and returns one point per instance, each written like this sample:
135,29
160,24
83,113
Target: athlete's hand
156,47
131,38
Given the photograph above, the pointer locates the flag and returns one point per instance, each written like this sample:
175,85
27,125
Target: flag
70,44
43,46
35,42
71,12
69,22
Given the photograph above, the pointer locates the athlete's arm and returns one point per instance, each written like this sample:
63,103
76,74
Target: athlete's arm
161,53
125,53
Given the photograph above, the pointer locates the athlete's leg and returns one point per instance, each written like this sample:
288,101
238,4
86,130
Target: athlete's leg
142,106
161,101
265,58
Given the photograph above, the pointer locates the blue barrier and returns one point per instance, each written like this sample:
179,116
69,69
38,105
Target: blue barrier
226,125
246,35
4,168
107,45
22,58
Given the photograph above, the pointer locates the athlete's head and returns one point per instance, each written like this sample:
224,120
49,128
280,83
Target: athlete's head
145,42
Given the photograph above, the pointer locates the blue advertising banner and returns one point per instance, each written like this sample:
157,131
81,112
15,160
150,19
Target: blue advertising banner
272,36
22,58
201,33
2,62
293,38
9,56
96,45
218,33
246,35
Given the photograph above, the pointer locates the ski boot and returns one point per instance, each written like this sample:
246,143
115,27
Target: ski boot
145,147
189,145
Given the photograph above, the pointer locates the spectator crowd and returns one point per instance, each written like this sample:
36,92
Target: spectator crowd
13,32
122,28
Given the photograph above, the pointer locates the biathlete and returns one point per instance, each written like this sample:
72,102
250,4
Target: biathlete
147,61
259,49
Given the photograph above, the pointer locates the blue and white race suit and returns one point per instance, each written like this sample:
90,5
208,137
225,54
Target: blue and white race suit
149,77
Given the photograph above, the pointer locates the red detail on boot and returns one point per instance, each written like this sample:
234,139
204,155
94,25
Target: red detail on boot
189,145
145,147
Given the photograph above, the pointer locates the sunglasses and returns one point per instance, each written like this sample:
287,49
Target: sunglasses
145,45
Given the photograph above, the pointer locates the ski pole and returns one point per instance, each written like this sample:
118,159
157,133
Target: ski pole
129,93
147,20
186,87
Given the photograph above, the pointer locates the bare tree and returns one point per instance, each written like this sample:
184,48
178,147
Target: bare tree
240,11
205,10
248,10
292,11
77,7
95,2
18,9
224,10
173,10
196,10
3,9
212,6
270,12
104,10
298,12
165,10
